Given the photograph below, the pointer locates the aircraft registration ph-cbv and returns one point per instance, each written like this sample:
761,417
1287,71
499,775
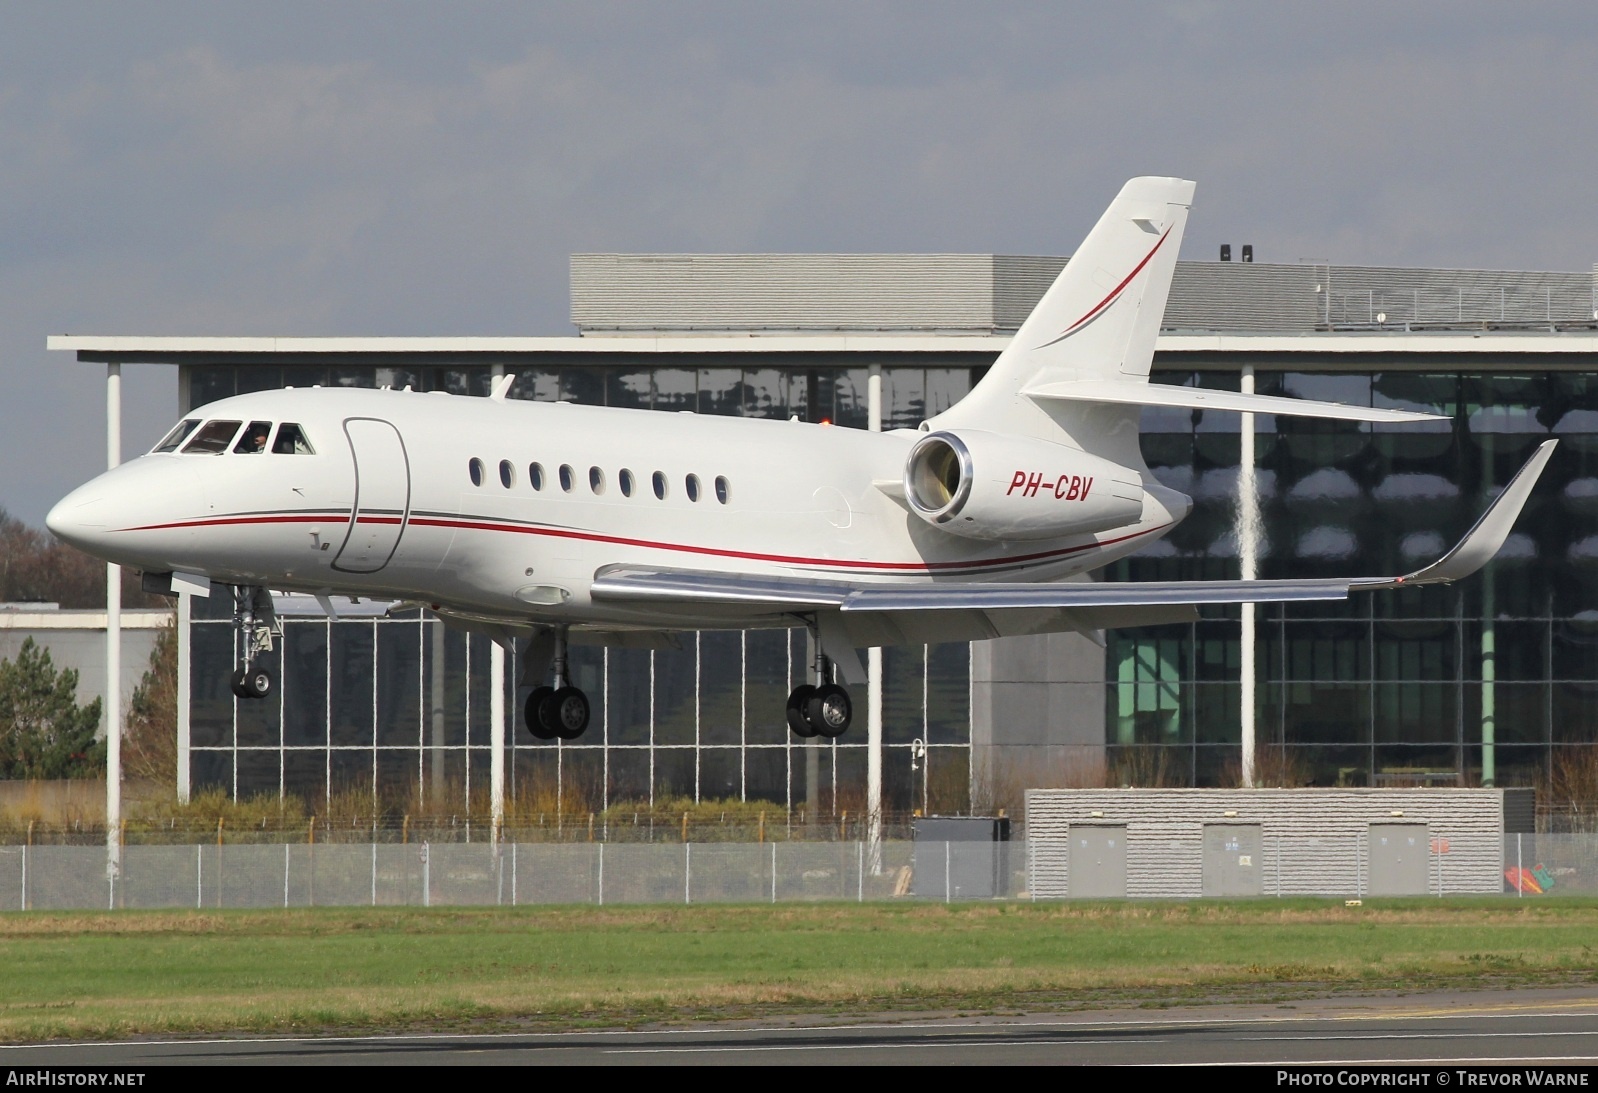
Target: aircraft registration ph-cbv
558,523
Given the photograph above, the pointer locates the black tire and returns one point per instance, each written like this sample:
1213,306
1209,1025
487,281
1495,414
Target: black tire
564,713
237,685
829,711
530,713
258,683
797,719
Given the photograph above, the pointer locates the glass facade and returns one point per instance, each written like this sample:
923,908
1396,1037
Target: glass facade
1494,678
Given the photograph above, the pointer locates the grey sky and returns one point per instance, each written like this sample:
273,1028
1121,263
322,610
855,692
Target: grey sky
426,168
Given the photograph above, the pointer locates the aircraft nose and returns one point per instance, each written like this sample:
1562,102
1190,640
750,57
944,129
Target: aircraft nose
79,518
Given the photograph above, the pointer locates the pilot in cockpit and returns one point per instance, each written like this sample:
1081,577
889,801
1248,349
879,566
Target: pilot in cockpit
253,442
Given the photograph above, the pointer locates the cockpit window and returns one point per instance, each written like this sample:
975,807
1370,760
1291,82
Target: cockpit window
213,438
291,441
180,432
253,442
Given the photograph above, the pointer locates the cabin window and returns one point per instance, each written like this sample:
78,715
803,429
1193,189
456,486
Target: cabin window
566,478
507,474
213,438
693,487
625,481
475,469
596,480
723,491
535,475
291,441
180,432
253,442
660,485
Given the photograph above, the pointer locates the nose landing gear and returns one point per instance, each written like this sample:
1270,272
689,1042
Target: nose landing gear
560,711
254,622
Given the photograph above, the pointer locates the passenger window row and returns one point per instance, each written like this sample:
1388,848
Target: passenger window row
216,437
597,481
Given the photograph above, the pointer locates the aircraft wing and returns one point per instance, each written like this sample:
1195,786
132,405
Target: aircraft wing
1107,602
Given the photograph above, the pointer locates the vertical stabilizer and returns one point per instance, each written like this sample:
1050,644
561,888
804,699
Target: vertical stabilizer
1098,321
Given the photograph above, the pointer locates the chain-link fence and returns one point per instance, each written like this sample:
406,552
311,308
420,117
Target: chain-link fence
427,874
511,873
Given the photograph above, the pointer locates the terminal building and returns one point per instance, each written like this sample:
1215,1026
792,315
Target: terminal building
1492,681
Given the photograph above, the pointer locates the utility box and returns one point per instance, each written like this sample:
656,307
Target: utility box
1098,861
1400,859
961,857
1234,856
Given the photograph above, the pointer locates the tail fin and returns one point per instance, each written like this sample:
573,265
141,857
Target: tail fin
1098,321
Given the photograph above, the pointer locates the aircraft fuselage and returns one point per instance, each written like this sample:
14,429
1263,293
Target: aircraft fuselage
505,508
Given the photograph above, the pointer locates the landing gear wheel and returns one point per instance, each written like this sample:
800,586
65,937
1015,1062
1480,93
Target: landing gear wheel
530,713
258,682
250,683
564,713
829,710
797,702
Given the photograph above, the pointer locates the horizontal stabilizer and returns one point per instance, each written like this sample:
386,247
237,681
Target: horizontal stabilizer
1195,398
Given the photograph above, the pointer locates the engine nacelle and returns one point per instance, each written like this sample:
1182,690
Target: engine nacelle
986,486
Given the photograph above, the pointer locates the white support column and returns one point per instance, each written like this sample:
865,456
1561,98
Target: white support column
874,685
496,735
113,646
185,671
1248,531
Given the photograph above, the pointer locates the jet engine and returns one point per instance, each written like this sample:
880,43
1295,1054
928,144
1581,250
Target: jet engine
985,486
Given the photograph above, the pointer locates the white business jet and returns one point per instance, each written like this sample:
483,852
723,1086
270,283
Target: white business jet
557,523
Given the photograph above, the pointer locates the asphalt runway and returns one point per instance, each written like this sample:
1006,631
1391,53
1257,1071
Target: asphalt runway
1547,1027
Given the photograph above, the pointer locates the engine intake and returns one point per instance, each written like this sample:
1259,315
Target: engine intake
986,486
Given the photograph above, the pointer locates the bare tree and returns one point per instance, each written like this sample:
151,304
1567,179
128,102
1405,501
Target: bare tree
35,567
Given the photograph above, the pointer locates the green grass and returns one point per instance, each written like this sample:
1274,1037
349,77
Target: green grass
128,973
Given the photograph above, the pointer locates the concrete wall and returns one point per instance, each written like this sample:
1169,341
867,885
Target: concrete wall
1037,713
1314,839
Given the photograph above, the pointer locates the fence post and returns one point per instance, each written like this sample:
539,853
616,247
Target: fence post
374,871
25,866
1520,876
687,872
219,862
427,874
860,854
199,875
773,872
513,874
602,874
948,892
285,873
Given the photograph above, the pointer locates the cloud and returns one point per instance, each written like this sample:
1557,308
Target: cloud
427,169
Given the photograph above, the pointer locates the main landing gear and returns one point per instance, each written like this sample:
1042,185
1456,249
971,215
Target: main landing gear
560,711
253,623
820,709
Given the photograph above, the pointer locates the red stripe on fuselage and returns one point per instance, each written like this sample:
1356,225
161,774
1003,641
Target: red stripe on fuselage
647,544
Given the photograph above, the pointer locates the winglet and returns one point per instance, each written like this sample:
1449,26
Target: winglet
1479,545
501,387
